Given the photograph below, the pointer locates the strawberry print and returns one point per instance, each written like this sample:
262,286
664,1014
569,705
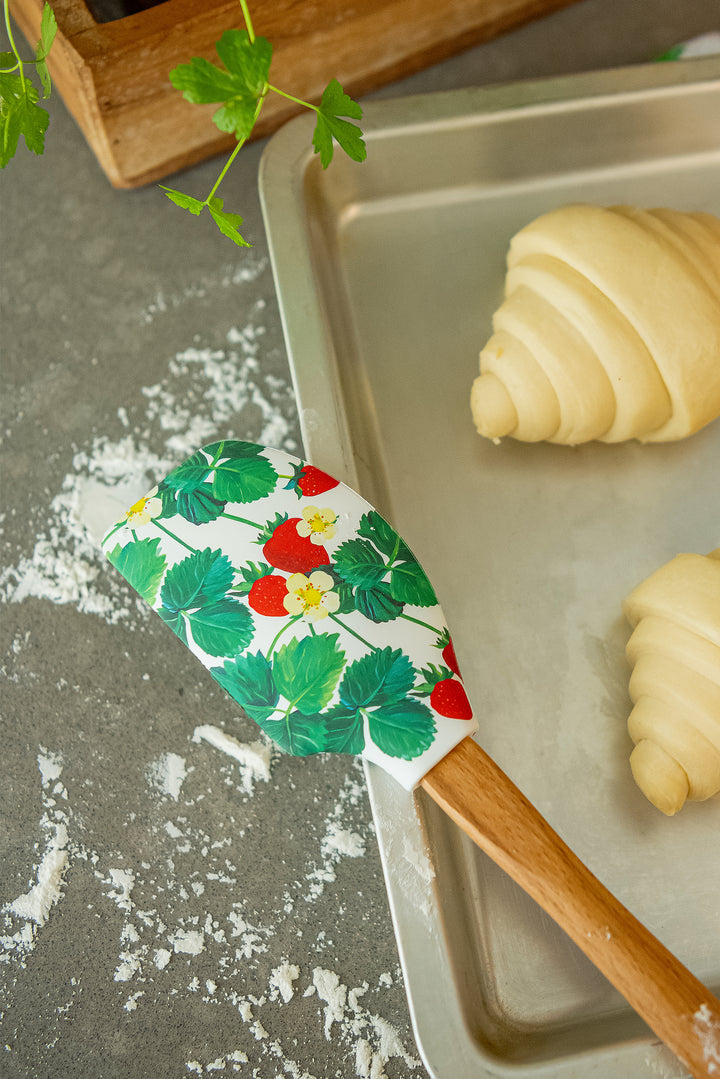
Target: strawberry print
288,550
450,699
311,481
450,659
334,671
267,596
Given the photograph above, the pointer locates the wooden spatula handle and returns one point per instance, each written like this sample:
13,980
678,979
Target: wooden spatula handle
481,799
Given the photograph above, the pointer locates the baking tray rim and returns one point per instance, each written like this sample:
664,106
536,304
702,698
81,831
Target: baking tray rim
328,442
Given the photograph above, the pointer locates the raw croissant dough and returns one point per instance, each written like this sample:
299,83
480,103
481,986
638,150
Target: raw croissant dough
610,329
675,683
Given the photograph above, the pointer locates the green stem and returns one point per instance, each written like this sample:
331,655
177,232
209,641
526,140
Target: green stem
291,97
241,143
248,20
352,632
417,621
241,520
278,635
173,536
116,528
13,46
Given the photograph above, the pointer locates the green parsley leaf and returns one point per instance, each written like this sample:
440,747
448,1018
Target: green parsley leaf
20,115
238,85
187,202
48,29
335,104
228,223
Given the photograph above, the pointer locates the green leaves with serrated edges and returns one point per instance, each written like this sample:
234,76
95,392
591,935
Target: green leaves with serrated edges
377,686
194,597
20,114
238,84
383,570
142,565
200,488
335,105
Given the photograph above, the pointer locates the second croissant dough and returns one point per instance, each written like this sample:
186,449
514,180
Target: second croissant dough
610,329
675,683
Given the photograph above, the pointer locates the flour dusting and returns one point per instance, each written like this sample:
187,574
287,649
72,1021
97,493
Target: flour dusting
707,1027
143,871
253,757
206,393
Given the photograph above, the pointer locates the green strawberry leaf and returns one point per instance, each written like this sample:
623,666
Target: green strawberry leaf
199,579
409,583
199,506
297,733
239,477
380,677
167,497
402,729
244,479
375,528
358,563
377,603
142,565
222,628
191,473
248,679
176,621
306,671
230,449
335,104
344,730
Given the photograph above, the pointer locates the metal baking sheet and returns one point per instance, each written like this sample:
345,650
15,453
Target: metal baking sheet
387,276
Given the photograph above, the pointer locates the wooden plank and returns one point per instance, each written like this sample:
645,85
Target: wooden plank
113,76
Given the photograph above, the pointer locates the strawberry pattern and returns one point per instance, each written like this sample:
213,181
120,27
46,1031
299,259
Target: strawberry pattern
314,616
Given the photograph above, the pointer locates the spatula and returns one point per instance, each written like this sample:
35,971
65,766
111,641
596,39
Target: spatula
311,611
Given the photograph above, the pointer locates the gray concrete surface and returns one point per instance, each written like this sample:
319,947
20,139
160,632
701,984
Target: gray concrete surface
202,914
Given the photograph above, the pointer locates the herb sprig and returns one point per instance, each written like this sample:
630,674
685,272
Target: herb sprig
20,113
240,85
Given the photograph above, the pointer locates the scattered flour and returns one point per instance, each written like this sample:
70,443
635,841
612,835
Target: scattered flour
167,774
175,920
207,393
36,904
282,978
253,757
707,1027
33,907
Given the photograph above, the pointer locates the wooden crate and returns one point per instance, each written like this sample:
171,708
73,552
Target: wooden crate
113,76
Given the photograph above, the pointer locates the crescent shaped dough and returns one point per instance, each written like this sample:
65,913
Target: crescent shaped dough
675,682
614,313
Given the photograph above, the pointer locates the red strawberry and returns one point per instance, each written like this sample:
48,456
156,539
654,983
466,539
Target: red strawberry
267,594
448,654
450,699
294,553
313,481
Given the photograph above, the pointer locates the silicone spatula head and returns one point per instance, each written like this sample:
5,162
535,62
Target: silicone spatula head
304,604
313,613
